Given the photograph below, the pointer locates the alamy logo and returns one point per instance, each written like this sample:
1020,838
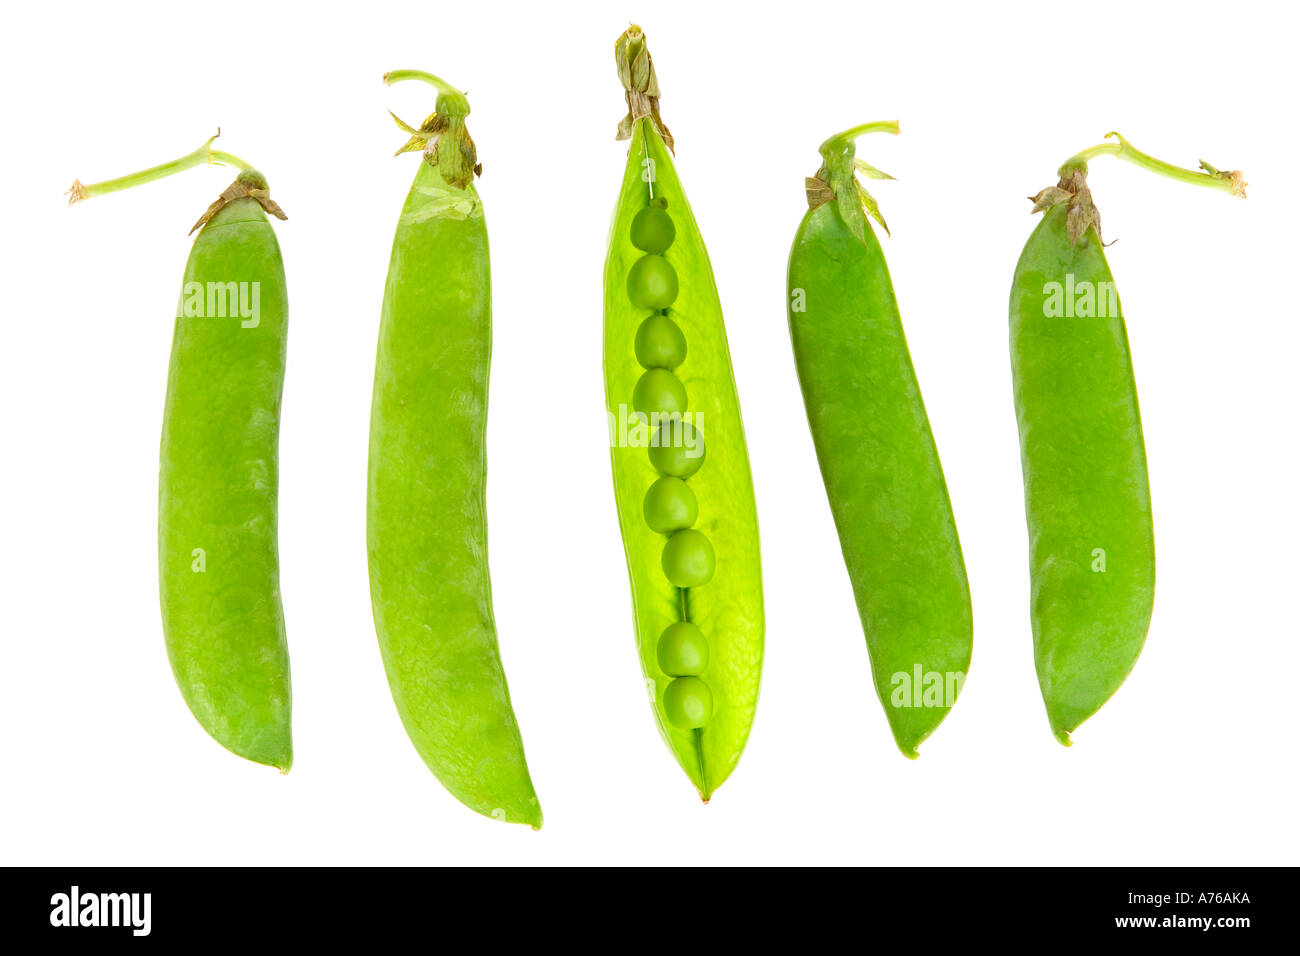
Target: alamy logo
924,688
629,428
102,909
220,300
1084,300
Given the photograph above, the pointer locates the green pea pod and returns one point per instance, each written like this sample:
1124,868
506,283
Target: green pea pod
1087,500
877,455
217,551
681,469
427,527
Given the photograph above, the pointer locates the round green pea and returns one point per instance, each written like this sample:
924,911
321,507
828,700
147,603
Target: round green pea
653,229
659,390
660,343
688,560
688,702
683,650
670,506
652,283
678,450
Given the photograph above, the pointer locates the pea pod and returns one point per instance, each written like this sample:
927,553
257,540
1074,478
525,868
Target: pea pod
218,559
681,469
877,455
427,526
1087,499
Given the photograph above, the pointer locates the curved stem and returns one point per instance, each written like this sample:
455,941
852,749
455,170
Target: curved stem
837,179
881,126
457,160
449,98
1207,175
397,76
202,156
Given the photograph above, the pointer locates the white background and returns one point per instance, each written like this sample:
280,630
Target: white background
1193,761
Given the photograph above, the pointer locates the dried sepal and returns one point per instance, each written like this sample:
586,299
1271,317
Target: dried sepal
268,204
458,165
853,201
636,71
431,127
240,190
1049,197
1082,214
819,193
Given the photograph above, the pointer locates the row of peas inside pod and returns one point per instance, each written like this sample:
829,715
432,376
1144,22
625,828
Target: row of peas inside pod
670,508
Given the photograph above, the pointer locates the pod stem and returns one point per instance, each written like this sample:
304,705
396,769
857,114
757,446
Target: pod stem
1072,188
443,136
204,155
849,135
1230,181
450,99
837,179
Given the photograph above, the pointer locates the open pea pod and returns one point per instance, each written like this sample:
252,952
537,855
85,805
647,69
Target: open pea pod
681,469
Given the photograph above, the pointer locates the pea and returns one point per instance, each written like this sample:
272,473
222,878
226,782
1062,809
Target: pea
672,618
659,391
670,506
688,703
878,459
660,343
426,530
653,230
1087,497
652,283
678,450
688,559
683,650
219,567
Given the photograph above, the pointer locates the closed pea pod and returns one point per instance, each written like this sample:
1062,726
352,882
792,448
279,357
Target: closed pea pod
877,456
1087,499
426,522
218,562
681,469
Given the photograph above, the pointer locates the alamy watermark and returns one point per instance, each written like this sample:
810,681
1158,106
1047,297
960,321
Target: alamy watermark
923,688
221,300
76,908
629,428
1083,300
